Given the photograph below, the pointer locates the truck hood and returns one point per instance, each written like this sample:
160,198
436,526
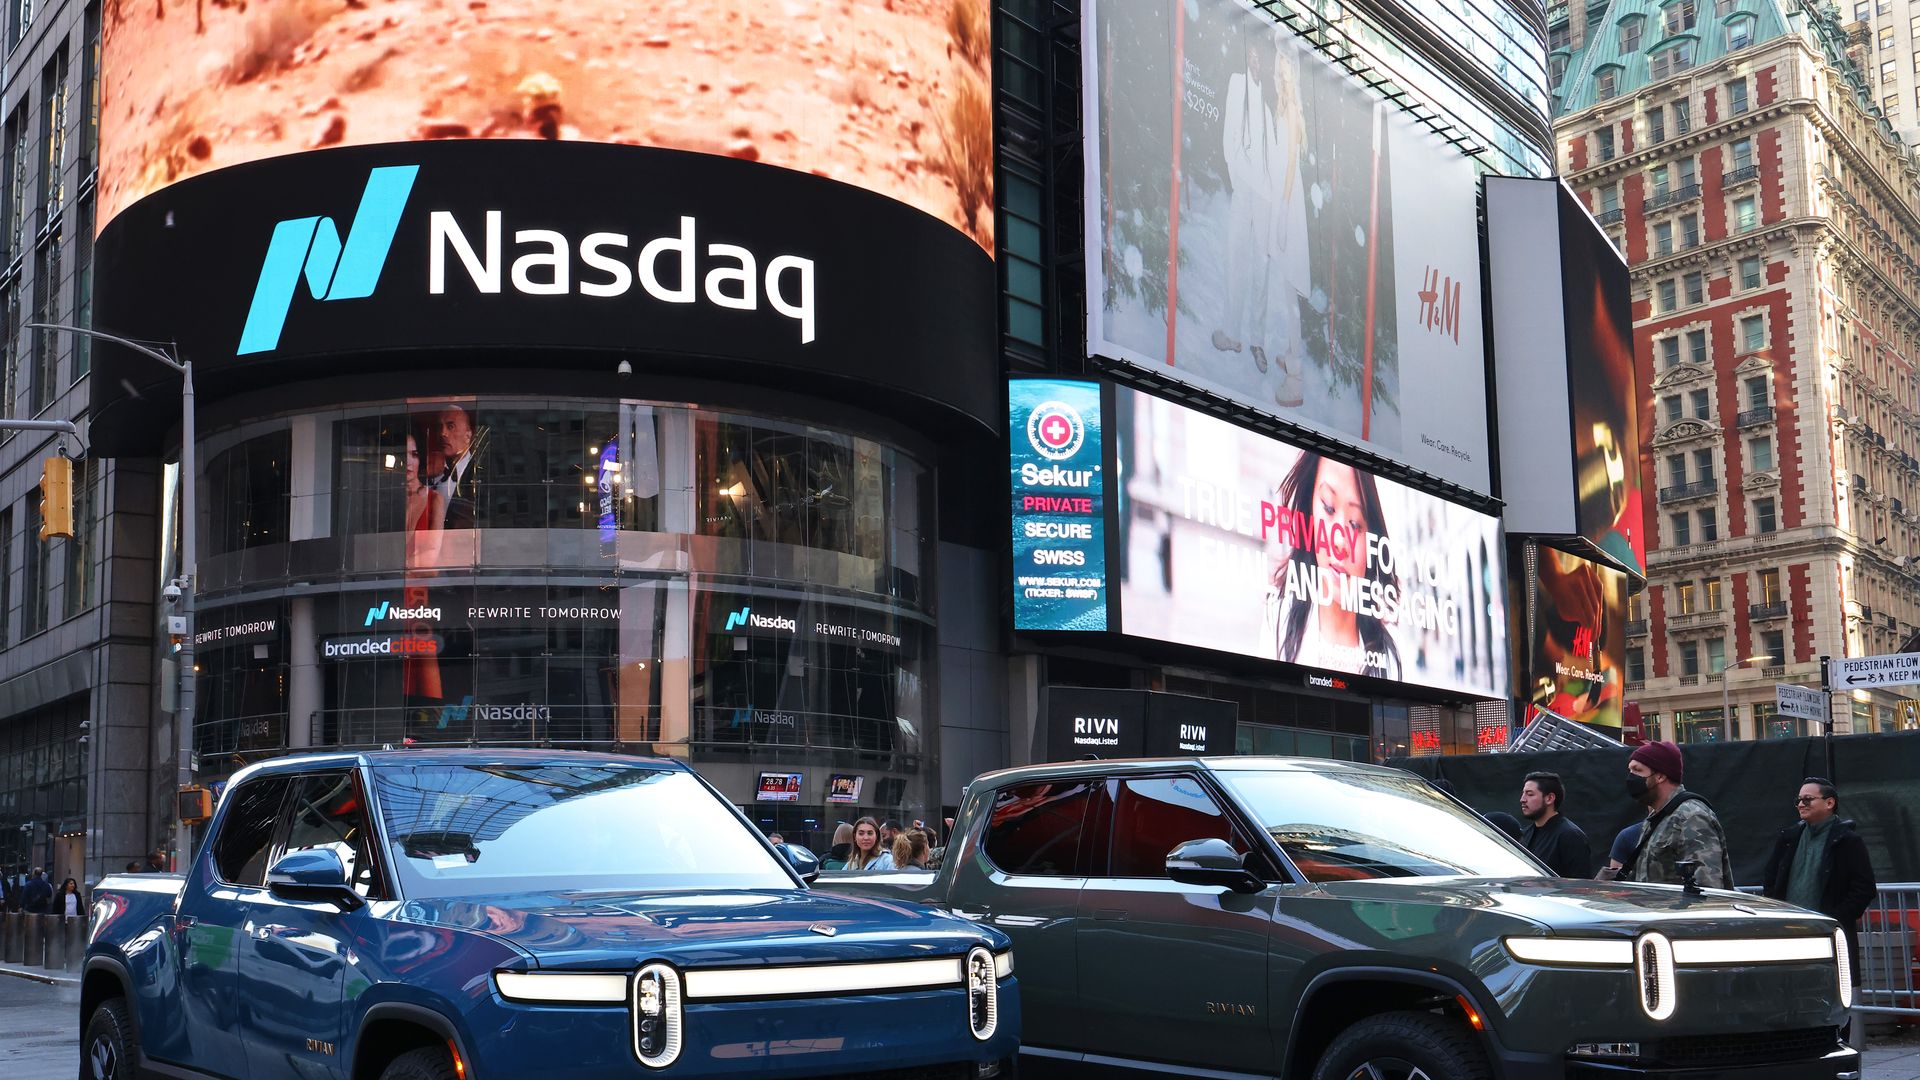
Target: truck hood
694,929
1574,906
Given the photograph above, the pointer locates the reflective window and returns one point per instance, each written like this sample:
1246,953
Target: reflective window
1036,829
477,830
1151,817
246,495
327,812
246,830
1346,825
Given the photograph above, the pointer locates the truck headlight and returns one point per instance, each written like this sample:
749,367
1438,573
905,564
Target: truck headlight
1844,963
562,987
1653,967
983,994
658,1027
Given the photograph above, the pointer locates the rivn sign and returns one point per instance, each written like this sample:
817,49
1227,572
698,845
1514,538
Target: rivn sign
1866,672
1094,723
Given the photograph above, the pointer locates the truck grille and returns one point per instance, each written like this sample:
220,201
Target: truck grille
1746,1048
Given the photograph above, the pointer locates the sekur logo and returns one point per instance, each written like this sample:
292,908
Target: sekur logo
1055,430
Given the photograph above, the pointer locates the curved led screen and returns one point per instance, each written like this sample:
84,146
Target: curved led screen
893,98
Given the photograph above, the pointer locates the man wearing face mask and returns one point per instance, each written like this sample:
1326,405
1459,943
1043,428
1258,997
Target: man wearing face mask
1680,826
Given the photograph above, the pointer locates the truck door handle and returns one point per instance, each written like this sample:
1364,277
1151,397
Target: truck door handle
1110,914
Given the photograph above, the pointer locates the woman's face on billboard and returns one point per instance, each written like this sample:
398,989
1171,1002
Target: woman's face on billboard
1337,506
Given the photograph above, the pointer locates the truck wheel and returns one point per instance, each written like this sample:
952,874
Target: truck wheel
1404,1046
109,1050
426,1063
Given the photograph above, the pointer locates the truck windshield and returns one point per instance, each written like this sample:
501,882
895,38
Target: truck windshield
473,830
1341,826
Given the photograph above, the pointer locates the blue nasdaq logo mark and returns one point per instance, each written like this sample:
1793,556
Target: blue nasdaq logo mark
311,247
737,619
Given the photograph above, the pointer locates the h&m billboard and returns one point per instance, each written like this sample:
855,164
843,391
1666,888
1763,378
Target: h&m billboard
1276,235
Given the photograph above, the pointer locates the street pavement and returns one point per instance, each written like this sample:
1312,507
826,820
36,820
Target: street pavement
39,1036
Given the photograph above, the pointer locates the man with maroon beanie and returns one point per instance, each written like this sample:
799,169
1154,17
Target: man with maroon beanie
1680,827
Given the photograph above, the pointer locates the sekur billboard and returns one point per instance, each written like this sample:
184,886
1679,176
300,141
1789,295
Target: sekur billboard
1279,236
1235,541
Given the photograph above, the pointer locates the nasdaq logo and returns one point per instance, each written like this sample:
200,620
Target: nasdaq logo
737,619
747,619
311,247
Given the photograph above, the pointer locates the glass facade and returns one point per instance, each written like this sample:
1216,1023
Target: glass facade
747,593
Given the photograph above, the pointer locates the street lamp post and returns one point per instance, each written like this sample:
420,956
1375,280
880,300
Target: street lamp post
189,565
1726,698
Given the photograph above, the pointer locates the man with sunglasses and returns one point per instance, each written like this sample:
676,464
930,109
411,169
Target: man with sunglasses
1821,864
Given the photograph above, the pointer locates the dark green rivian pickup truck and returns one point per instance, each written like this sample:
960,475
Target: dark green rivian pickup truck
1241,916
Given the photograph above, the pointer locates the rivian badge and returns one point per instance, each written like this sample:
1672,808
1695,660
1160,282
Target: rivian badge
823,929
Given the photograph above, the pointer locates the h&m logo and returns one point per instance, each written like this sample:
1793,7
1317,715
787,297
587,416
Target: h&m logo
1440,303
1583,642
334,269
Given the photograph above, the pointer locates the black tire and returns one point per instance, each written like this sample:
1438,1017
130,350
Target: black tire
426,1063
1404,1046
110,1048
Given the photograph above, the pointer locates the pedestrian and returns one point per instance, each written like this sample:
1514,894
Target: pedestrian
37,897
1624,842
1551,837
910,850
867,852
842,848
67,902
1820,863
1506,823
132,867
157,861
1680,827
776,839
888,830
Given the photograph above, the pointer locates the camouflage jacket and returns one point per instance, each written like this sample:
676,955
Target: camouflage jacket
1691,831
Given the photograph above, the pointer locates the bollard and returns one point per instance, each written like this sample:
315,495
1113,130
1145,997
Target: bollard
74,937
12,948
37,939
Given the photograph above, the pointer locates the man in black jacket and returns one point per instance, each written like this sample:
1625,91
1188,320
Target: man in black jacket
37,897
1821,864
1549,835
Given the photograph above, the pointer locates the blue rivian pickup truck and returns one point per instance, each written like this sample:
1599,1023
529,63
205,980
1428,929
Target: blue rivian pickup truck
433,915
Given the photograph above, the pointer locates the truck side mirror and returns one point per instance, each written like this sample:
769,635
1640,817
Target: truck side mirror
804,862
313,874
1211,862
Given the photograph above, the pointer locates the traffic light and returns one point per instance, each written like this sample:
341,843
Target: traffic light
56,498
196,804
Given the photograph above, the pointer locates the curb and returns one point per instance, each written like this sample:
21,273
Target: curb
39,977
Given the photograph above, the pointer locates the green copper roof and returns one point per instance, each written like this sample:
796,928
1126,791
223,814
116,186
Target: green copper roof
1710,38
